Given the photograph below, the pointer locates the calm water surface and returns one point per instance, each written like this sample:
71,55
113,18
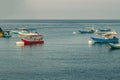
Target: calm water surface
63,56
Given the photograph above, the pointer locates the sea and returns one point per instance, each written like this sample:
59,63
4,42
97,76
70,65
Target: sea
65,55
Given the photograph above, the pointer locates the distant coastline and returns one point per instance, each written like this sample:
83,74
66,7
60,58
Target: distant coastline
61,21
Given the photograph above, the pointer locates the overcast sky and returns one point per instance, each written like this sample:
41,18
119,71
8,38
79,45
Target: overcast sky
59,9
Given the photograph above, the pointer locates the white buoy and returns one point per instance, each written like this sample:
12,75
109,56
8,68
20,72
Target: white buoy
90,42
19,43
74,32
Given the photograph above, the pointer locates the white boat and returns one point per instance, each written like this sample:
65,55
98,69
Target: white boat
18,30
106,34
104,29
114,46
27,34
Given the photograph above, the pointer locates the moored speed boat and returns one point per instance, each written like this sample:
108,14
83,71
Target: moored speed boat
104,29
27,34
114,46
19,30
32,39
87,30
105,40
107,33
7,34
108,37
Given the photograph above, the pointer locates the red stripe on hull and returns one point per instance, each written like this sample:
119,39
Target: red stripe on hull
29,42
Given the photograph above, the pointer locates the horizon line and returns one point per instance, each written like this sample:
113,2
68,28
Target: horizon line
60,21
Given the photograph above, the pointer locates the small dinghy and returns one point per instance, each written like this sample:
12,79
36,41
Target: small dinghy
87,30
104,29
114,46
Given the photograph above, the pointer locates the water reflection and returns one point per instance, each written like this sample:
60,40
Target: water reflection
100,45
113,49
33,45
30,52
103,47
30,49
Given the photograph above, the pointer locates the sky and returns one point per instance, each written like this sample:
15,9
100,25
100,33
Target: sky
59,9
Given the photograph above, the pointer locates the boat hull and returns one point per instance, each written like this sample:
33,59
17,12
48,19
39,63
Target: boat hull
83,31
104,30
7,36
30,42
105,40
114,46
15,32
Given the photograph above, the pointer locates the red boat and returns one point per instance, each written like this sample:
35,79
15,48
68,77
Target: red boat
33,39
